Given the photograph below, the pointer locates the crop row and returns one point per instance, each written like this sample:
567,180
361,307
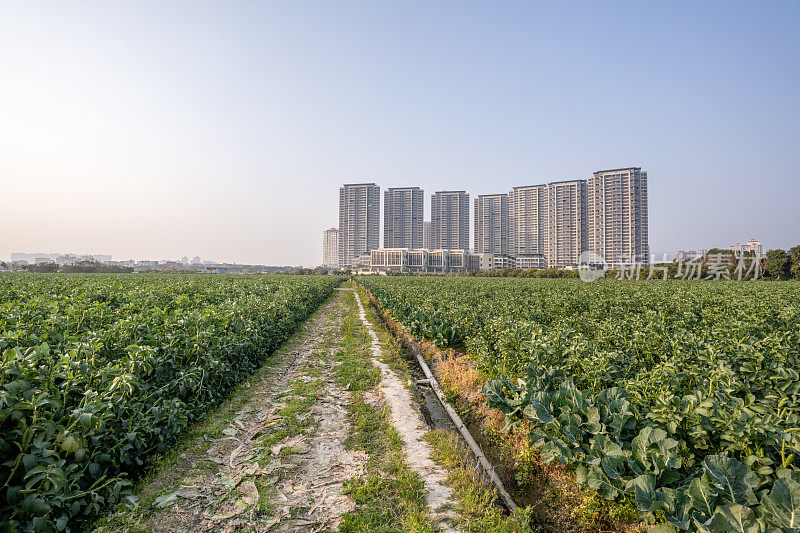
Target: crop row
99,372
684,396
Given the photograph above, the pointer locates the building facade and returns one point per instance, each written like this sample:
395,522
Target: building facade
491,224
529,261
403,210
429,261
566,223
527,219
618,217
548,223
359,221
426,235
450,220
330,248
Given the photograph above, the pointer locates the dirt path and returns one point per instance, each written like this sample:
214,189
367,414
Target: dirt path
408,422
279,454
279,461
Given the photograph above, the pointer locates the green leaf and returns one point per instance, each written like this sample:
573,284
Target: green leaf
598,480
647,436
555,448
733,481
704,500
70,444
677,508
740,519
581,473
612,457
717,523
538,412
35,505
783,504
645,493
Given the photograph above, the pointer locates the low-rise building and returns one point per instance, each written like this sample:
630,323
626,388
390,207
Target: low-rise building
503,262
529,261
422,260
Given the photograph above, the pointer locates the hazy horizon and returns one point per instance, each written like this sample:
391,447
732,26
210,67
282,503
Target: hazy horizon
155,131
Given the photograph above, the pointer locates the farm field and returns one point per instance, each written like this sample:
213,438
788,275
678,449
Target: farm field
682,396
138,403
100,372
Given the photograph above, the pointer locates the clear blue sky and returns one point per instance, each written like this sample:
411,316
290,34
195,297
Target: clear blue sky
163,129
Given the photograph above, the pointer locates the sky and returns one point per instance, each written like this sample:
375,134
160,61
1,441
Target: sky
156,130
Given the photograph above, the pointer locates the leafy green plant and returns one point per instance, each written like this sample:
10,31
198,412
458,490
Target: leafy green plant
99,372
668,393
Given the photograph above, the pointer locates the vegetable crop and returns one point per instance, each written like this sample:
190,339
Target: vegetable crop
684,395
99,372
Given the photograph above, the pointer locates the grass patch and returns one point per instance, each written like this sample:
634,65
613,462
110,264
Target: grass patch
392,353
390,496
356,371
476,500
386,505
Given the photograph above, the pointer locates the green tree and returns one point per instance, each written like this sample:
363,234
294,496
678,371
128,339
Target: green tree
43,267
778,264
794,257
794,254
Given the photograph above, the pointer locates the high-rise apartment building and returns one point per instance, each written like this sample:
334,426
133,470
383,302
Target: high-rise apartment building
450,220
527,219
566,227
491,224
403,210
359,221
426,235
549,221
618,224
330,248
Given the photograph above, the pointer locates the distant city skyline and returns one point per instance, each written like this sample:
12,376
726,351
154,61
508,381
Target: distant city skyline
546,225
150,130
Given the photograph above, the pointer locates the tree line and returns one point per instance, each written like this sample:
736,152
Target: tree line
83,267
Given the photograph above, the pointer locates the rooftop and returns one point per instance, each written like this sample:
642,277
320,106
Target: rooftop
617,169
528,186
566,181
